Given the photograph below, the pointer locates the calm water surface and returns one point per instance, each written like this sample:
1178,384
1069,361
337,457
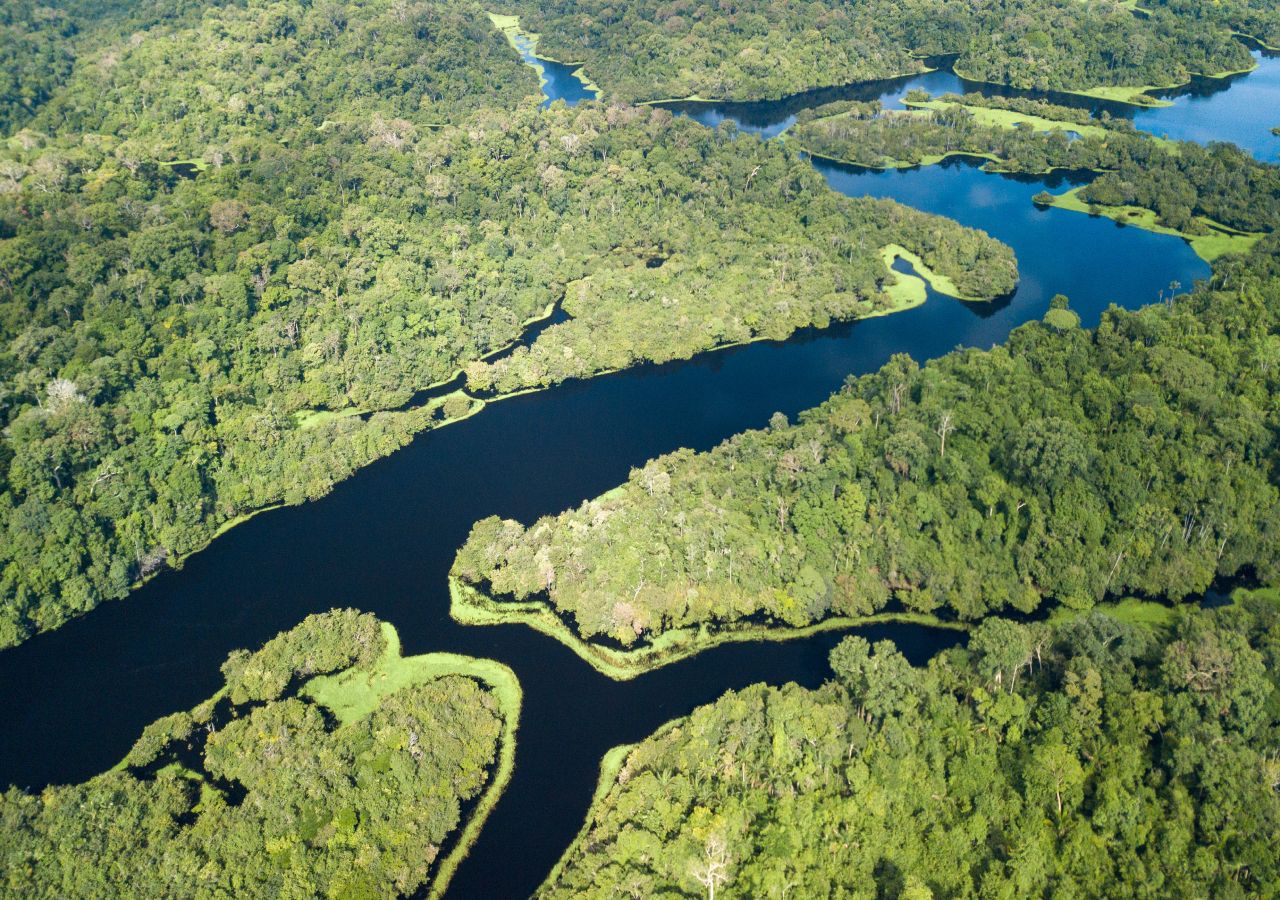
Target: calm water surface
73,701
1241,109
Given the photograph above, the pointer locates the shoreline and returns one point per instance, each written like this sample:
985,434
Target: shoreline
470,606
347,694
1221,240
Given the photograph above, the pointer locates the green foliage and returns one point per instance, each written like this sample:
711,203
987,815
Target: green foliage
1180,182
1066,465
269,797
652,50
1120,763
171,341
321,644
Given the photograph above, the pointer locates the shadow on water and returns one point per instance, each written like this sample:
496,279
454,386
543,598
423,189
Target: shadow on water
1237,108
73,701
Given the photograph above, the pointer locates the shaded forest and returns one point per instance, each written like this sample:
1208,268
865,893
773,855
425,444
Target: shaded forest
652,50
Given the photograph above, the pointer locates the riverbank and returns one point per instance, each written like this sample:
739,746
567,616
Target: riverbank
353,695
470,606
510,27
1219,241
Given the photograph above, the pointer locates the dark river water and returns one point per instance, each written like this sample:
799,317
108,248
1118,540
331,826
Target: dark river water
72,702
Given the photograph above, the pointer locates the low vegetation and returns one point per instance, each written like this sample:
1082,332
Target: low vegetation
327,766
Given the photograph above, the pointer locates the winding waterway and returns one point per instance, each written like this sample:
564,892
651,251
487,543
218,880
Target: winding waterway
73,701
1238,108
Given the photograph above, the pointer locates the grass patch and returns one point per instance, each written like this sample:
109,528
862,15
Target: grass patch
198,164
1008,118
1130,610
510,27
305,419
1134,96
939,282
469,606
1261,43
354,694
1220,240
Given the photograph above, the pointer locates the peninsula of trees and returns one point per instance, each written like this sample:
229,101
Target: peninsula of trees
199,270
1218,196
1091,758
1065,466
305,776
661,50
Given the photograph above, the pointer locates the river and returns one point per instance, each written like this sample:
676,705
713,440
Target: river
73,701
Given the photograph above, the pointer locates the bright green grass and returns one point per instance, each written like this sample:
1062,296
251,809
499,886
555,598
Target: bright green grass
1220,241
510,27
1134,96
1261,43
470,607
310,418
1129,610
354,694
198,164
1008,118
913,289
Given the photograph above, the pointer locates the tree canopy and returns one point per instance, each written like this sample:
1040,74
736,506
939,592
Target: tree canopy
1063,466
194,262
1091,758
657,50
263,792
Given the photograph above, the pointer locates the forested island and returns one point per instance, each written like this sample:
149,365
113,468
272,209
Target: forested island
1091,757
1218,197
215,301
651,50
1138,457
326,766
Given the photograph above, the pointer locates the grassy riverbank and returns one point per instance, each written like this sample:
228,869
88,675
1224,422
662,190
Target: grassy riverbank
510,28
469,606
354,694
910,291
1008,118
1219,241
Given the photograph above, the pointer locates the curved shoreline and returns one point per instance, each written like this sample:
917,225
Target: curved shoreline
509,25
469,606
349,695
1220,241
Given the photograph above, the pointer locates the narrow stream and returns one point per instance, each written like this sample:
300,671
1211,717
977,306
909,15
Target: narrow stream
73,701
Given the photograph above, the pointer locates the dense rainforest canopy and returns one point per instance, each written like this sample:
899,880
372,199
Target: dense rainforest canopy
1065,465
239,237
748,49
1092,758
261,791
326,242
